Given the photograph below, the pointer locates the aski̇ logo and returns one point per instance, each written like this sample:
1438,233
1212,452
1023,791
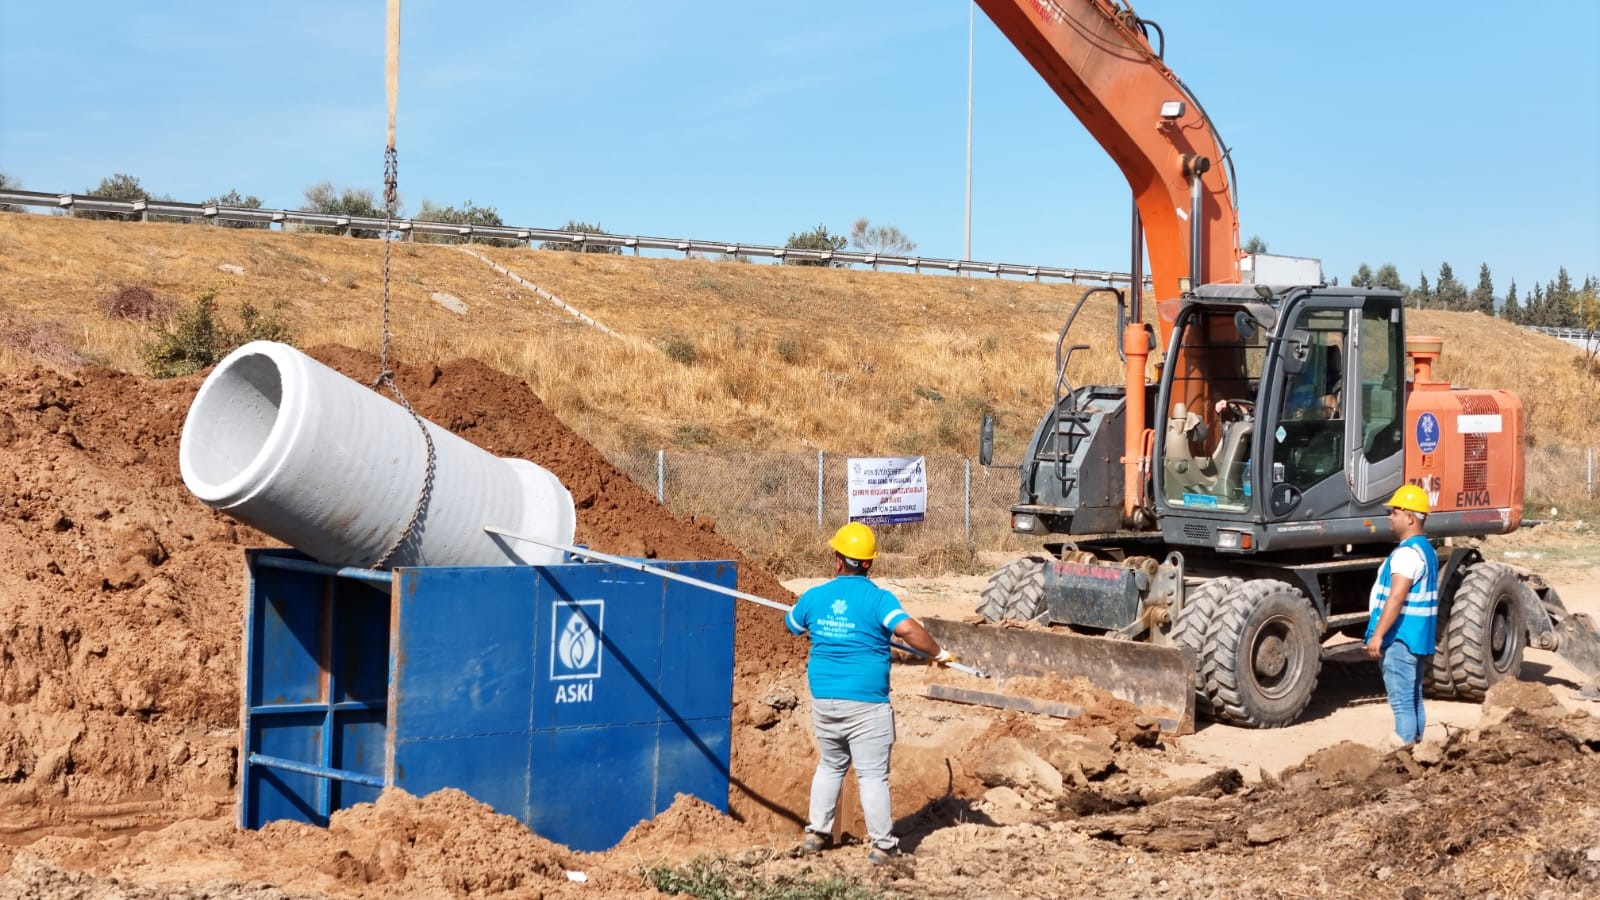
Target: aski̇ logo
576,628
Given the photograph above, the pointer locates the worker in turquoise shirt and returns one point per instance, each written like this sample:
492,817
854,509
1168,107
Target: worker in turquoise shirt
1404,613
850,621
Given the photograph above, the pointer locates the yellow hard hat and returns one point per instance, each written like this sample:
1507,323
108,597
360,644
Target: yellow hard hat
855,541
1410,498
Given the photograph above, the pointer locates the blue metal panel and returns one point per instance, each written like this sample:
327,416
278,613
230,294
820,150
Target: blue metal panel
578,698
315,688
272,794
697,669
599,647
286,638
590,785
693,759
461,663
491,768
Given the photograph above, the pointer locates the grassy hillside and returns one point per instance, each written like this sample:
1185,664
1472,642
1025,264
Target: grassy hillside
698,353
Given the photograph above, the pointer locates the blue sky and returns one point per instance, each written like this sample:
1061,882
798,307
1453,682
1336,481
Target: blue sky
1414,133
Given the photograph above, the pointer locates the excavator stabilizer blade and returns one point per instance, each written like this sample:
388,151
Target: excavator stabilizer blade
1159,680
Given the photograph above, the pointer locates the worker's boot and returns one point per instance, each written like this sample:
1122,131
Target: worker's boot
814,843
880,856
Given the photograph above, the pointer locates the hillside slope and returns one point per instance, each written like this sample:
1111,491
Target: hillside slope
698,353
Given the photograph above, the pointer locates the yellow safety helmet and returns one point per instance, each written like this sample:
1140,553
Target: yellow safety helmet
1410,498
855,541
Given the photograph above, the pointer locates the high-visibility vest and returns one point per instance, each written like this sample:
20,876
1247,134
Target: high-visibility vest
1419,618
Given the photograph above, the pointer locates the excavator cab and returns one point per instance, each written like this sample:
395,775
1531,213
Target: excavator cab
1278,408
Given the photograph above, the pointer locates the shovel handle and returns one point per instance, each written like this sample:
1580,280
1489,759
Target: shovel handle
674,576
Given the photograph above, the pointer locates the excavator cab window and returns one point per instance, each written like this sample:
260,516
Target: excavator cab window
1210,416
1309,439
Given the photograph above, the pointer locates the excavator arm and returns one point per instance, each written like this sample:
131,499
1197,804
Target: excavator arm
1095,56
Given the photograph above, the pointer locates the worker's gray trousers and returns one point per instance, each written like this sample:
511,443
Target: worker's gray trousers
852,731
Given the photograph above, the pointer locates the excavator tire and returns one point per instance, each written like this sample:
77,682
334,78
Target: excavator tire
1262,655
1199,608
1015,592
1482,636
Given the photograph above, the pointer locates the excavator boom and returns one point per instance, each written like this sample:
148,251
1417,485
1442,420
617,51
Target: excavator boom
1095,56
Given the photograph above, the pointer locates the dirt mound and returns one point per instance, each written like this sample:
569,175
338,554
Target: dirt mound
119,643
500,414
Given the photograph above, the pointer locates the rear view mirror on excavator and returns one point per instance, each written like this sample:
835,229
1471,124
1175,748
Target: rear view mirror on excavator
986,440
1299,351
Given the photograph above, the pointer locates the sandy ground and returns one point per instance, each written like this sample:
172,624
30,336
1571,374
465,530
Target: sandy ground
120,611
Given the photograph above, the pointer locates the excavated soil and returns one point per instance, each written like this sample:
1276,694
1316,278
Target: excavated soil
120,614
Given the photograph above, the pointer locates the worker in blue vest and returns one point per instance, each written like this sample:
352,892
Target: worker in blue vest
1404,612
850,621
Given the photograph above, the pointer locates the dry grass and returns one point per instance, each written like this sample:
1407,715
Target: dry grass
704,355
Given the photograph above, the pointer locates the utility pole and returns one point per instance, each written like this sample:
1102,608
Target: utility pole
966,246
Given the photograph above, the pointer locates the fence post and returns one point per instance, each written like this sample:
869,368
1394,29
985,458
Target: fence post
818,490
966,498
661,476
1588,482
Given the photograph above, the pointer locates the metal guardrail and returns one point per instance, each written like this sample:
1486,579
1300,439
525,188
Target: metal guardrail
1566,334
214,213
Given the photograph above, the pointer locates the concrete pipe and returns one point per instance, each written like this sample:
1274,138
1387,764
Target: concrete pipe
283,443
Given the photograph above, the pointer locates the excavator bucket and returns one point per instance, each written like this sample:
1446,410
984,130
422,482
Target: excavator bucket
1157,679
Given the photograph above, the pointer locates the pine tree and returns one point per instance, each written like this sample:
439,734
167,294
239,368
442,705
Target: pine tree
1510,311
1362,278
1449,293
1483,294
1536,307
1422,296
1561,299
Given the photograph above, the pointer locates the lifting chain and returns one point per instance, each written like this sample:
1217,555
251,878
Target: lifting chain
391,205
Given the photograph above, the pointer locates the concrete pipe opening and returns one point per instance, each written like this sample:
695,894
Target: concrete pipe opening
289,446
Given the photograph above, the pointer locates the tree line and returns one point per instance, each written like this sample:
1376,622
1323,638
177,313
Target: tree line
1555,304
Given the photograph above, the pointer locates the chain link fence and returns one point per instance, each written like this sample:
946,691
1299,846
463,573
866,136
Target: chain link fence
780,507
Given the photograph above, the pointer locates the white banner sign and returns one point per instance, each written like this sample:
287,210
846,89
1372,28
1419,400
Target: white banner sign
888,490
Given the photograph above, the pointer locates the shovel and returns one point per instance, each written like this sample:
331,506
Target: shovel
637,566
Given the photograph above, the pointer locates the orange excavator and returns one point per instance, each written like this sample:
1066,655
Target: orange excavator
1208,529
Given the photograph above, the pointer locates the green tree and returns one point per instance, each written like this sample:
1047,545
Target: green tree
1388,277
468,214
818,238
880,239
1362,278
1255,244
322,197
1422,295
1511,311
116,187
577,227
1449,293
1483,295
1561,296
1536,313
232,198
